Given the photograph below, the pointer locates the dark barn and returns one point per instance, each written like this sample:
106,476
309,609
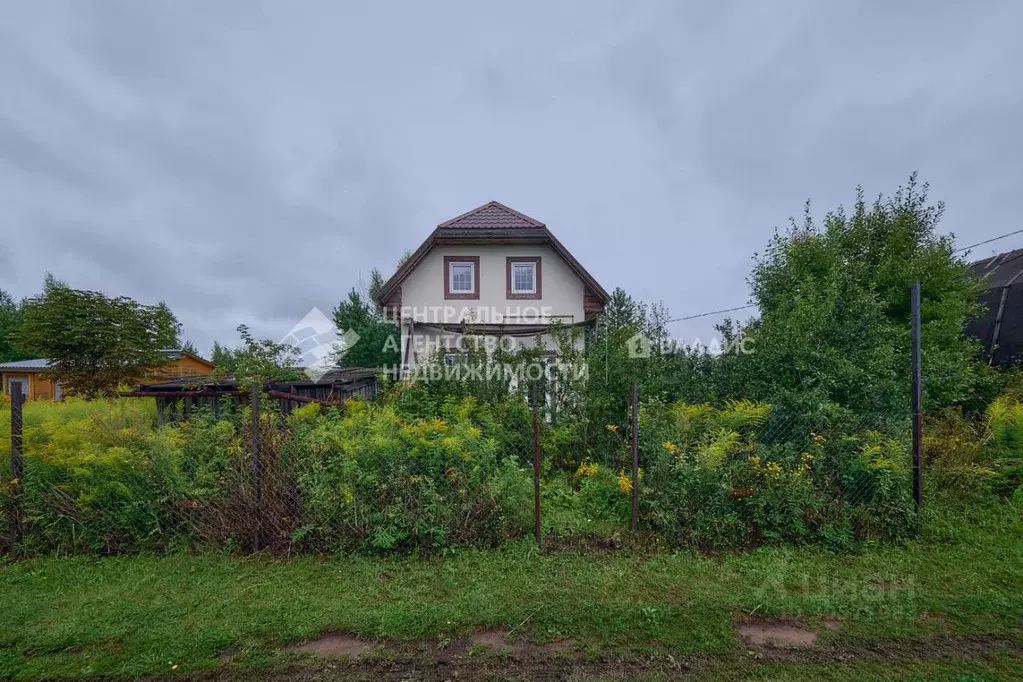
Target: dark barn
177,398
1000,328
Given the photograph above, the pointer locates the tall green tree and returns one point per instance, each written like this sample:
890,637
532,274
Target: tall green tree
376,283
262,360
94,342
834,299
379,340
10,323
168,328
222,358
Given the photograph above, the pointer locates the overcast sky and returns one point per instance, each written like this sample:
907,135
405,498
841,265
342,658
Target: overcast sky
246,161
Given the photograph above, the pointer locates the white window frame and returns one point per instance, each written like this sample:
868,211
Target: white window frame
532,269
451,277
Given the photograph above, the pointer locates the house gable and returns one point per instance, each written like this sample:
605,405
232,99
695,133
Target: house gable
488,225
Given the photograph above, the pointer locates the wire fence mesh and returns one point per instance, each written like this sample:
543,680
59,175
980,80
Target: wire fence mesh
103,479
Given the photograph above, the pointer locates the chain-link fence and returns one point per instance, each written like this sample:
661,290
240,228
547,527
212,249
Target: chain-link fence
745,473
99,477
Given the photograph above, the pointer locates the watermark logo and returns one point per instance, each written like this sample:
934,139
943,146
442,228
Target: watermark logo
317,341
642,346
639,346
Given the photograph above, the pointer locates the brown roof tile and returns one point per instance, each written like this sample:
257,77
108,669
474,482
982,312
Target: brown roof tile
491,216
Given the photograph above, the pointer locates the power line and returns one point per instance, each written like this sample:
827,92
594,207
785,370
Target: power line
713,312
752,305
987,241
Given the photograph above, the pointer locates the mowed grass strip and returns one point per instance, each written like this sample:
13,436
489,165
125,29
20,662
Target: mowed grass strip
130,616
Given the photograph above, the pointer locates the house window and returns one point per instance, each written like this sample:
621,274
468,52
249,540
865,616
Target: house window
461,277
456,358
524,277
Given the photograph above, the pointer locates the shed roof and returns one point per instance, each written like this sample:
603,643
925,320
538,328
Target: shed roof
43,363
1000,270
1000,327
37,363
333,376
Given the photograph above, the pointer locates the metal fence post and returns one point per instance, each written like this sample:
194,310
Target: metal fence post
634,521
917,395
536,466
17,462
256,470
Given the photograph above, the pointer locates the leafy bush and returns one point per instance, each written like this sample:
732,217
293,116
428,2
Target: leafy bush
1004,419
370,479
101,478
714,482
97,477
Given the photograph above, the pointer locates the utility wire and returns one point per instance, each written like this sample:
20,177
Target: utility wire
751,305
987,241
713,312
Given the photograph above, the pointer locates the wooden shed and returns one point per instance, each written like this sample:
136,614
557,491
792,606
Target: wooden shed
36,385
176,398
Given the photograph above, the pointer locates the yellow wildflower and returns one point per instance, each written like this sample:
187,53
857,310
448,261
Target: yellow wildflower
624,483
587,469
672,448
613,428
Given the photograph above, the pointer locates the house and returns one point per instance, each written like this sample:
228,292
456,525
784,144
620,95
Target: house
1000,328
496,273
35,386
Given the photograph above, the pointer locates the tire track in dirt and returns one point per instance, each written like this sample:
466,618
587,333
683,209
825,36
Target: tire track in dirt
485,656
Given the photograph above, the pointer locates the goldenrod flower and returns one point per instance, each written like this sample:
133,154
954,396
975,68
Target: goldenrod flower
587,469
624,483
613,428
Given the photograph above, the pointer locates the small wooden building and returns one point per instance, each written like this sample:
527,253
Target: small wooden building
28,373
36,386
177,398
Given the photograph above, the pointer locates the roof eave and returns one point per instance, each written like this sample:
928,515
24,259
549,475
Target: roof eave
441,235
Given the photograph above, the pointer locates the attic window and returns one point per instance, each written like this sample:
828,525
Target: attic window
461,277
524,277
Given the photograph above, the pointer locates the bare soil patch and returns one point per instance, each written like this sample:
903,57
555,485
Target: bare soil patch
457,660
781,633
333,644
498,642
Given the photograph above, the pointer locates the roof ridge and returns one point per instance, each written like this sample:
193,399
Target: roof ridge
481,211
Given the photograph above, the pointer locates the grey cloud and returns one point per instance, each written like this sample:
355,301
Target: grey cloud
247,161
